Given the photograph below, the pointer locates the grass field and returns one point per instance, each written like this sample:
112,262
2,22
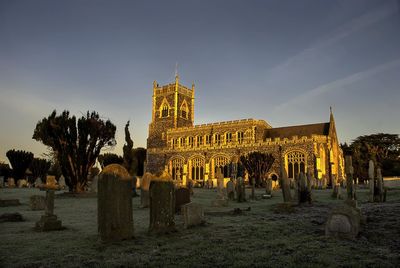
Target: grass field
259,237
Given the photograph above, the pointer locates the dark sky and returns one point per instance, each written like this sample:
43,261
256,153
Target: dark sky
282,61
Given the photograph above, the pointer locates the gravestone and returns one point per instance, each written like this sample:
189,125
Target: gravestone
287,197
114,204
351,194
371,177
51,182
48,221
240,190
220,199
304,195
22,183
94,186
144,190
230,189
37,202
61,182
190,186
268,187
11,183
162,206
193,214
1,181
134,182
343,222
182,197
379,195
38,183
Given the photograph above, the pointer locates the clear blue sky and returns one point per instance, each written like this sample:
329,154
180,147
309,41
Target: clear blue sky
282,61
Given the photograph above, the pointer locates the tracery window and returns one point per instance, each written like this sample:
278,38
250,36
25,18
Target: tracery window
208,139
217,139
222,162
177,168
182,142
184,110
296,163
198,169
191,142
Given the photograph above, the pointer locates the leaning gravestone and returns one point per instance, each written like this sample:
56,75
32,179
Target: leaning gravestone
343,222
182,197
230,190
193,214
144,190
162,206
37,202
114,204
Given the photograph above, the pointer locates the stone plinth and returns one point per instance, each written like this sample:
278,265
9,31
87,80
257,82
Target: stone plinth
48,221
114,204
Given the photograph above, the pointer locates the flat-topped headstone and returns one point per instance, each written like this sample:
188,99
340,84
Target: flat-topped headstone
182,197
114,204
37,202
193,214
162,206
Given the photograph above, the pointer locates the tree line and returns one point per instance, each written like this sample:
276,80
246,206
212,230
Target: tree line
74,146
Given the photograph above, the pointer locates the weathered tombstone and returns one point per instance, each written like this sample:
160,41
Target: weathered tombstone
114,204
343,222
37,202
1,181
144,190
230,189
49,221
193,214
371,177
349,179
379,192
268,186
51,182
11,183
94,186
310,181
221,197
335,187
162,207
296,187
22,183
38,183
182,196
304,194
61,182
240,190
285,185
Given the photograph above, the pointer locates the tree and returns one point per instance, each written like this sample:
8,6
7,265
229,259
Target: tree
20,162
40,168
140,156
5,171
130,162
382,148
257,165
76,144
110,158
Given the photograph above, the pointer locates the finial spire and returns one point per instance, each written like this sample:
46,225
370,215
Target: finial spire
176,69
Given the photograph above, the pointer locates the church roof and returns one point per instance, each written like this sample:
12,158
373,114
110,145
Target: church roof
301,130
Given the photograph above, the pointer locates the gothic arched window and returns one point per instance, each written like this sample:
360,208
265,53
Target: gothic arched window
164,110
296,163
177,168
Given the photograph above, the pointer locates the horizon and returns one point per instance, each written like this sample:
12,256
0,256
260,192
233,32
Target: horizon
278,61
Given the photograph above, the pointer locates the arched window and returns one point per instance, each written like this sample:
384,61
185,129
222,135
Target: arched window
217,139
296,163
222,162
228,137
177,168
240,137
191,142
184,110
199,141
197,169
164,111
208,139
182,142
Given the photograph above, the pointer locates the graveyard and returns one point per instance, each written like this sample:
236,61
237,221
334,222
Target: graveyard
257,232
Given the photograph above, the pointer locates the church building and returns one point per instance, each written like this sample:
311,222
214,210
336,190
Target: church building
189,151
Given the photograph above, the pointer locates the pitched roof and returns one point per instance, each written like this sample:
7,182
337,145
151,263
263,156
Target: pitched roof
301,130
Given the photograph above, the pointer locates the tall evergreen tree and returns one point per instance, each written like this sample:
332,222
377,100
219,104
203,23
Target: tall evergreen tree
20,162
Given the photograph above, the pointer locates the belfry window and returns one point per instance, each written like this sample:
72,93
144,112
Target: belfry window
184,110
164,111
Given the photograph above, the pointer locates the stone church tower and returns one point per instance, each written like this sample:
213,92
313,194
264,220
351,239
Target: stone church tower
173,107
